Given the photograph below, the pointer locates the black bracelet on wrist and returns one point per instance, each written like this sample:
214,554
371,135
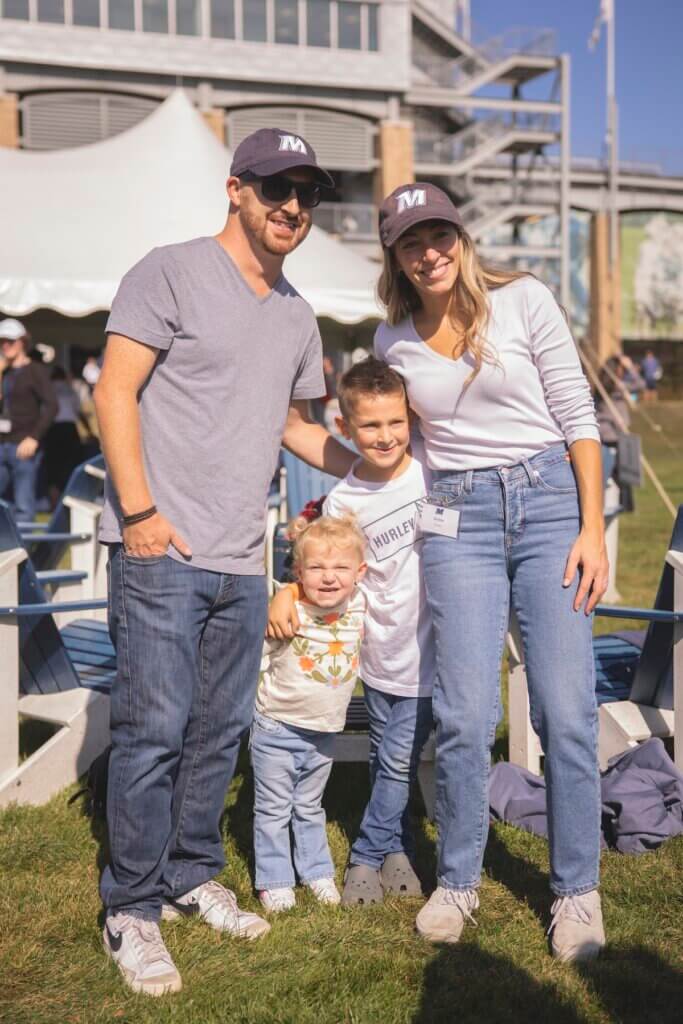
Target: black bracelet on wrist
139,517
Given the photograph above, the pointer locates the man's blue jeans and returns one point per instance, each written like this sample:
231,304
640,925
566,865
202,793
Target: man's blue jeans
517,526
188,645
399,728
23,475
291,769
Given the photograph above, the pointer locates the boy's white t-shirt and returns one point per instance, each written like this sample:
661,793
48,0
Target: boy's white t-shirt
397,653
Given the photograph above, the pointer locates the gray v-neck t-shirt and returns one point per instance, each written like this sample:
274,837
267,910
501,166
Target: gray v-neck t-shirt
213,410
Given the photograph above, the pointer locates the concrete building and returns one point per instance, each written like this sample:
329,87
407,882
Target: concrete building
386,90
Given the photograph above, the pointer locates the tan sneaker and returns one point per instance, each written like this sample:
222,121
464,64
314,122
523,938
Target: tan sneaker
576,928
218,907
443,916
139,952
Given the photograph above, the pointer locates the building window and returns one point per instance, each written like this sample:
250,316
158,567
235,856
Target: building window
318,22
122,14
154,16
286,21
188,17
373,27
51,10
348,31
223,19
255,26
86,12
15,9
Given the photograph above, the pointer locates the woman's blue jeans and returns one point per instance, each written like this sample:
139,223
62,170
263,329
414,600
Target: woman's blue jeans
517,526
188,648
399,728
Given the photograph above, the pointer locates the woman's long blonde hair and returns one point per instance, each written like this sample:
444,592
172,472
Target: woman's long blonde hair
469,308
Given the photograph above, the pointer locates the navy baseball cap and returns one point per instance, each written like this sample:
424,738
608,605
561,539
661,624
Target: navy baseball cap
271,150
412,204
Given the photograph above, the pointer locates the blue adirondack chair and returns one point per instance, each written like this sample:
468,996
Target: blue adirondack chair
639,674
61,677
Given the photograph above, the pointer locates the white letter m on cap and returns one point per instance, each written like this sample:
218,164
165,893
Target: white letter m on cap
407,200
292,143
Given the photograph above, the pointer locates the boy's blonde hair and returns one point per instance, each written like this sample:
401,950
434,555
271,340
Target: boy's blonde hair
336,531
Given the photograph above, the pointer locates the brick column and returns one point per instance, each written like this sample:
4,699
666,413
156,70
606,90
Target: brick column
395,150
605,294
215,119
9,120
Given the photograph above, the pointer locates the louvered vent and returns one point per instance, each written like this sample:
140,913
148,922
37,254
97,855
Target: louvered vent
66,119
341,141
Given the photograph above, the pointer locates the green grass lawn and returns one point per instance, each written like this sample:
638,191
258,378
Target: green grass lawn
329,966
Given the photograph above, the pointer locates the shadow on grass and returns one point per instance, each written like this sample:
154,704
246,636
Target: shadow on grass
634,985
466,984
522,878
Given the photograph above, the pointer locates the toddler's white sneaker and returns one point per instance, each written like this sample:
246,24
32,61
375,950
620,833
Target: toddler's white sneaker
325,891
277,900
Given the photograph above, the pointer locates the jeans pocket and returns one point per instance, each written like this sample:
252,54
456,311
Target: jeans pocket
142,560
445,494
266,724
557,478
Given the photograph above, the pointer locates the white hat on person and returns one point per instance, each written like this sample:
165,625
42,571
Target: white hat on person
11,329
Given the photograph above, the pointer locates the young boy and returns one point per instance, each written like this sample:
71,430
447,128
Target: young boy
398,666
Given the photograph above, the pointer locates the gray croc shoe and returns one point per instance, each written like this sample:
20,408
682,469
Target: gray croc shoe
398,877
362,886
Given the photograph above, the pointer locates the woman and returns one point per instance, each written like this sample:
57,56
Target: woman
514,523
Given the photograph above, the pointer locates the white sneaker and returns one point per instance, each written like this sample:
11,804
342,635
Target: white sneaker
325,891
277,900
139,952
218,907
576,928
443,916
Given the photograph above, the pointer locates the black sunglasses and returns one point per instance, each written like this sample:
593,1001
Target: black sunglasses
278,188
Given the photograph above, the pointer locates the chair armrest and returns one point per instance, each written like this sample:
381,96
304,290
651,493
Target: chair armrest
48,608
644,614
46,538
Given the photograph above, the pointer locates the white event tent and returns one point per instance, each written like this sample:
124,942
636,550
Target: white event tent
75,220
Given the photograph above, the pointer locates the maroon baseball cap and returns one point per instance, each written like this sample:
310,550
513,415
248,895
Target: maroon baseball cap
271,150
412,204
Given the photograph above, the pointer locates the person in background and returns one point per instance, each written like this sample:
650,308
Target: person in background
651,369
29,405
63,448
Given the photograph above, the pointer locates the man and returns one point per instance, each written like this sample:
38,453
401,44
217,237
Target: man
28,407
212,357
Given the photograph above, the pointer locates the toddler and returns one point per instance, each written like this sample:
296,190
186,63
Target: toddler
304,691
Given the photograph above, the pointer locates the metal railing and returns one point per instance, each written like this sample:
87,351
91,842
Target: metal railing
351,221
451,149
454,74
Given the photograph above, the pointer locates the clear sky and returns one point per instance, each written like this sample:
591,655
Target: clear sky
649,63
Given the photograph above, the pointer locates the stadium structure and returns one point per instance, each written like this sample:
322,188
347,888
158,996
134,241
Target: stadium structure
386,91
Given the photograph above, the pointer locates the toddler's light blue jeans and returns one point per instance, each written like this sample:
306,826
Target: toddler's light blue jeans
291,769
517,526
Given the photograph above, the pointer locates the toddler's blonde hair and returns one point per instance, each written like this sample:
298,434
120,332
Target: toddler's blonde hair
336,531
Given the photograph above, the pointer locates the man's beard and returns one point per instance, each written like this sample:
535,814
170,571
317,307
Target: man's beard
274,247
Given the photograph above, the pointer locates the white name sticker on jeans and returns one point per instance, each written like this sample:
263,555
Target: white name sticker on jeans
439,519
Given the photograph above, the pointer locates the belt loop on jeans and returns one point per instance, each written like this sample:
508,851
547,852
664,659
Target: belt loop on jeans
469,478
530,472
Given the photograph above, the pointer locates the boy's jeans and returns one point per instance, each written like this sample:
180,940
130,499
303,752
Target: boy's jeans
517,526
188,644
399,728
23,475
291,769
